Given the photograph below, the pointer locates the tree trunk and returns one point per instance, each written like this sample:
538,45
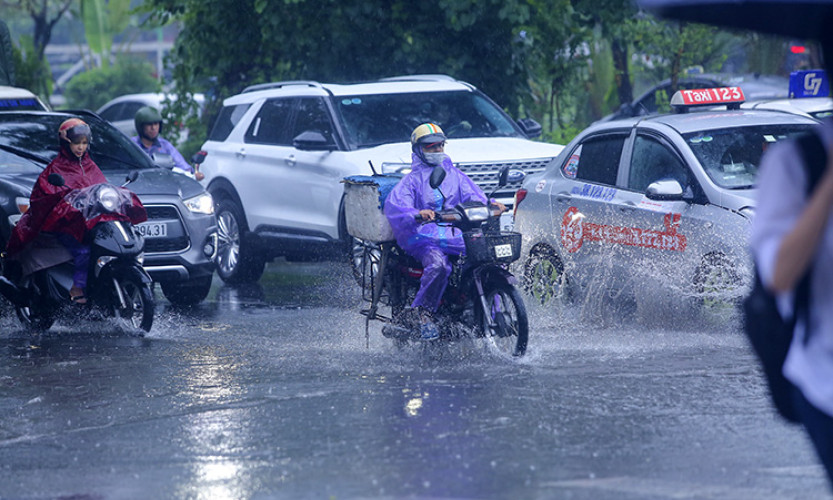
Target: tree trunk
622,75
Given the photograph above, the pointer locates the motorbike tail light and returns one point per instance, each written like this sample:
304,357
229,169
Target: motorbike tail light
519,197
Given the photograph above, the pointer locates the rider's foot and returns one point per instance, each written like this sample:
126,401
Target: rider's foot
76,295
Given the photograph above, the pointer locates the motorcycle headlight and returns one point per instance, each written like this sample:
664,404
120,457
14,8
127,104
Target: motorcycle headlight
200,204
109,199
477,214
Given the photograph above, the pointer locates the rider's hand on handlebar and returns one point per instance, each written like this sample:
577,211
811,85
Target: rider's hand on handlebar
500,207
427,214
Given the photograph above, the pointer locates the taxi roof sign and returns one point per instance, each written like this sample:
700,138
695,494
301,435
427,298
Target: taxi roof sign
732,97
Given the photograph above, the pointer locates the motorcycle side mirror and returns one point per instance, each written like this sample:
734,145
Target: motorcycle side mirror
131,177
199,157
437,177
56,179
163,160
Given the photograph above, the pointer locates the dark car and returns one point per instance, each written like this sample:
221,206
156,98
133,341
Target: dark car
181,230
655,100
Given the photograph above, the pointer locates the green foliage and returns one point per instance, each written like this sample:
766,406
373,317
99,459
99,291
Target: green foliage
92,89
31,72
6,56
102,21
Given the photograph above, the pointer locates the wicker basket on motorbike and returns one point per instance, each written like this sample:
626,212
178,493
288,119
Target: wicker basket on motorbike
492,247
364,200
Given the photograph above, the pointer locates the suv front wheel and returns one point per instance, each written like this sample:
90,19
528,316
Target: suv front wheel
237,261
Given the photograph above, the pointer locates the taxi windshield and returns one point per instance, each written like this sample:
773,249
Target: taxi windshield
731,156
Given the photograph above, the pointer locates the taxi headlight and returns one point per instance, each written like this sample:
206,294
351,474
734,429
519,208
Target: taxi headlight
477,214
200,204
396,168
109,199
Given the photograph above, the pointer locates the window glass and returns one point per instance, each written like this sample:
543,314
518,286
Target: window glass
371,120
596,160
110,149
731,156
312,116
11,163
226,121
113,112
271,125
129,110
652,161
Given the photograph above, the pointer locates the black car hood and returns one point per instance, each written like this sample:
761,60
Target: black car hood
157,181
22,183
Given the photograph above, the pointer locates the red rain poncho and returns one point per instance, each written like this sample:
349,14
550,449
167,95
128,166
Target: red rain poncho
49,212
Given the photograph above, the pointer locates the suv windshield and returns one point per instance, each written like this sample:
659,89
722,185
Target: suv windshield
371,120
38,134
731,156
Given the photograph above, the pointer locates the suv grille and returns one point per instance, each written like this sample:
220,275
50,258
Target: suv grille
169,214
485,174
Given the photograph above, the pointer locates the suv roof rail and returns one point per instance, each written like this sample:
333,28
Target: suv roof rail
277,85
423,78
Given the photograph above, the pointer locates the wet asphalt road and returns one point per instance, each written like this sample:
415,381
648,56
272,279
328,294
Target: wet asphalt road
269,391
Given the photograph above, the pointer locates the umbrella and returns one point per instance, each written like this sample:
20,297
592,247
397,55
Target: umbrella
803,19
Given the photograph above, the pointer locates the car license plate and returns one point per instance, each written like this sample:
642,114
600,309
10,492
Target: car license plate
153,229
507,222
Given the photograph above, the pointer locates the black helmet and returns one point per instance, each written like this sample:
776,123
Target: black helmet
144,116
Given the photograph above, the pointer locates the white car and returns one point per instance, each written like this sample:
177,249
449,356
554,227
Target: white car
121,111
19,99
277,153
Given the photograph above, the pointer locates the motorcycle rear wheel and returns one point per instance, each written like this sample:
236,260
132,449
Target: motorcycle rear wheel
511,332
139,306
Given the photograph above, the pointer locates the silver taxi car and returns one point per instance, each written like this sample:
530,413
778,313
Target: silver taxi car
656,208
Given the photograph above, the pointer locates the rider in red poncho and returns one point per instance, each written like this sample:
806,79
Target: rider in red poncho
48,212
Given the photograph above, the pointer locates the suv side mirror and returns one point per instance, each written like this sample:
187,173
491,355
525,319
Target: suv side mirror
530,127
664,190
311,140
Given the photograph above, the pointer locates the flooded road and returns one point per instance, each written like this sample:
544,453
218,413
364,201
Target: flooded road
273,391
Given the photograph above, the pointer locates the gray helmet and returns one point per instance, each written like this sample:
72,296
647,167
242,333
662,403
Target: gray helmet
144,116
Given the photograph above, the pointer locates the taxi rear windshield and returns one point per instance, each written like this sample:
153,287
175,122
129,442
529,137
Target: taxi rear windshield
730,157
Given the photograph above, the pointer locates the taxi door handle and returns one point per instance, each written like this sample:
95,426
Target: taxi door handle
563,197
627,207
241,153
290,160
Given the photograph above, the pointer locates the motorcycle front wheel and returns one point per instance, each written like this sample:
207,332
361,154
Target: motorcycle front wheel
136,312
506,308
34,320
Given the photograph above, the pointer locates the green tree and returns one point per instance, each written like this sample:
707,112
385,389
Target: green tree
6,56
93,88
103,19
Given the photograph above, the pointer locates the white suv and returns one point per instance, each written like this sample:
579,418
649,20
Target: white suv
277,153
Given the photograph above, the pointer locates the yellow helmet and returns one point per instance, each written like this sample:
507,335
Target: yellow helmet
427,133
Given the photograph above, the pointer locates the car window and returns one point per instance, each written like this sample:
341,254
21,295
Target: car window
371,120
730,157
596,159
311,115
112,112
37,133
129,110
271,125
226,121
652,161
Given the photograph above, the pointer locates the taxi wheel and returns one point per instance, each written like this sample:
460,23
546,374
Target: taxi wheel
544,277
717,284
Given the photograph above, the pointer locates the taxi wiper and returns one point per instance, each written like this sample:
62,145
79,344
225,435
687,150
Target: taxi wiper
24,153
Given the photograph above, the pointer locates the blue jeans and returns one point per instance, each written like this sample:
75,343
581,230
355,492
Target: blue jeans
80,258
819,426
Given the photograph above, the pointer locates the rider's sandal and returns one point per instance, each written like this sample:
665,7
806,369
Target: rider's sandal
80,300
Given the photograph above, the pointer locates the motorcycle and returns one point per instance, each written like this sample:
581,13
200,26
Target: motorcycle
480,301
117,285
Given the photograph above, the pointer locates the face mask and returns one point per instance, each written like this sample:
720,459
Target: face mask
434,158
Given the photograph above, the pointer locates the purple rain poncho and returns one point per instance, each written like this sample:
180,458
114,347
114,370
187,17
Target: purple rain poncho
430,243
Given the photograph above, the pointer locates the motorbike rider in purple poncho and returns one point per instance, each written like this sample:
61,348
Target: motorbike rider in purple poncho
431,244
